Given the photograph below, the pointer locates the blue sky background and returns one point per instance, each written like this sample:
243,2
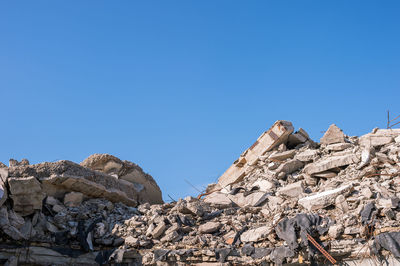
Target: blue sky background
183,87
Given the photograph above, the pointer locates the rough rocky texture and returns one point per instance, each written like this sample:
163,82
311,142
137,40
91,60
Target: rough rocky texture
276,135
333,135
346,195
148,190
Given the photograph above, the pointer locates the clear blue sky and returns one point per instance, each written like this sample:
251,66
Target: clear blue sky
183,87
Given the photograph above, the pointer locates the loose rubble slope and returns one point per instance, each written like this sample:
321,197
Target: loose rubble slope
283,193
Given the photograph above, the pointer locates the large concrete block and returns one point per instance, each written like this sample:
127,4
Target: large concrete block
26,193
146,187
276,135
323,199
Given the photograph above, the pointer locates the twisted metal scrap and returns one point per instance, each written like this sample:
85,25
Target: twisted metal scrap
323,251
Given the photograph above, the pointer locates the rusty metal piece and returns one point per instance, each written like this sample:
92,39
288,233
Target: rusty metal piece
371,175
321,249
391,121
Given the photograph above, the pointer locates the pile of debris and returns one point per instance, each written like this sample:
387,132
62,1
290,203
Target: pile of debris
286,199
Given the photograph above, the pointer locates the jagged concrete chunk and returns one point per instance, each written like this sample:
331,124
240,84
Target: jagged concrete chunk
66,176
330,163
280,156
209,227
255,235
307,155
290,166
276,135
26,193
147,189
254,199
299,137
338,146
379,137
3,188
333,135
219,200
73,199
323,199
292,190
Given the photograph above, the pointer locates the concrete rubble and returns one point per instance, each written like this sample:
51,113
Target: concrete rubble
344,192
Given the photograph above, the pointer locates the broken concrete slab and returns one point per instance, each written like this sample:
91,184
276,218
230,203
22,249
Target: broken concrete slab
293,190
6,226
374,140
219,200
323,199
326,174
3,187
146,187
73,199
333,135
338,146
307,155
26,193
330,163
276,135
290,166
255,235
254,199
299,137
209,227
61,177
281,156
264,185
159,230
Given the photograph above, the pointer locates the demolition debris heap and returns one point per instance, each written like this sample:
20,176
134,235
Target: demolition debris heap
286,199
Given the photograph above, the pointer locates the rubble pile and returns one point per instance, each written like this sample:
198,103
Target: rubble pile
283,195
